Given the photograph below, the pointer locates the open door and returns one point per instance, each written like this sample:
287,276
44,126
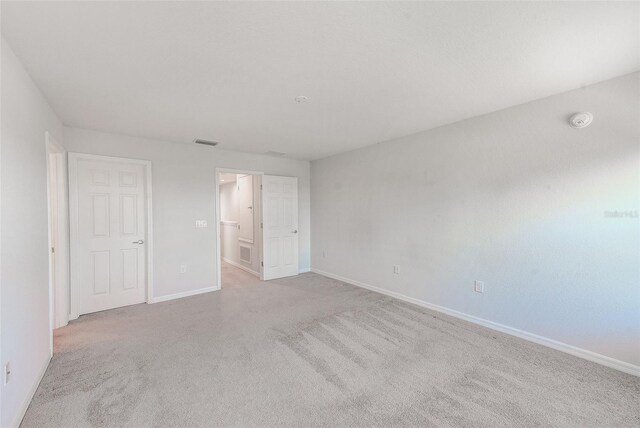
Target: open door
280,226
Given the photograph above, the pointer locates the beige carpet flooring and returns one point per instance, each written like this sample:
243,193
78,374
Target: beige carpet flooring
312,351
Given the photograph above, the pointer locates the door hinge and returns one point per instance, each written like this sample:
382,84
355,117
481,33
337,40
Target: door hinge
238,227
261,187
53,250
261,226
262,264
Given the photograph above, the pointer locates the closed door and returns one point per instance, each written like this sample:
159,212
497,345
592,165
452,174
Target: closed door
109,239
280,226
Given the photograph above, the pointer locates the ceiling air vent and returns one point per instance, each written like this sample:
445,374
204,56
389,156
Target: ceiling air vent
272,153
205,142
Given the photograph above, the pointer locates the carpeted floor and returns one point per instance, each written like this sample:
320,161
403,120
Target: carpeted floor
232,277
311,351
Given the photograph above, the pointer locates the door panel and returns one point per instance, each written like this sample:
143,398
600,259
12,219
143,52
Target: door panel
100,274
129,268
100,213
280,226
128,214
110,248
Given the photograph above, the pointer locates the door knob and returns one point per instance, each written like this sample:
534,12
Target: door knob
140,241
295,231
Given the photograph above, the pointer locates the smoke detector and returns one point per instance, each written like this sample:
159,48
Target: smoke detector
272,153
581,120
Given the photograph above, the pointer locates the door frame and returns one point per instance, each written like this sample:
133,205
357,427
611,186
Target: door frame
218,219
58,221
73,159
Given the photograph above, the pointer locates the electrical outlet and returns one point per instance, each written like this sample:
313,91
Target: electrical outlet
478,286
396,269
201,223
183,268
7,373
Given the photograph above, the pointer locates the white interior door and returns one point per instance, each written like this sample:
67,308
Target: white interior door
109,248
280,226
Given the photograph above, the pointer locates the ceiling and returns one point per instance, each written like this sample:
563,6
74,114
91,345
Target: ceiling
229,71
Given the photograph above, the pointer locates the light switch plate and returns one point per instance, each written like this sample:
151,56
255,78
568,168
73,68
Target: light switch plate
201,223
478,286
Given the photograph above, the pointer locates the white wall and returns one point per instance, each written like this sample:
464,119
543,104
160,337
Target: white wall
229,201
184,191
25,118
515,198
229,248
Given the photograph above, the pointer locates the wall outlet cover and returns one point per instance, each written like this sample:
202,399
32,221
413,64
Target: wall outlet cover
7,373
478,286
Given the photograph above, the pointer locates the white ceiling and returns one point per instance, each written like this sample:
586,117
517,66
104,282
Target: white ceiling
230,71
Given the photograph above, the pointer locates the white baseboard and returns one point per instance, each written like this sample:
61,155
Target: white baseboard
27,400
183,294
239,266
541,340
304,270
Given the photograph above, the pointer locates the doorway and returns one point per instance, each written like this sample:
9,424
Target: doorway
240,234
257,227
